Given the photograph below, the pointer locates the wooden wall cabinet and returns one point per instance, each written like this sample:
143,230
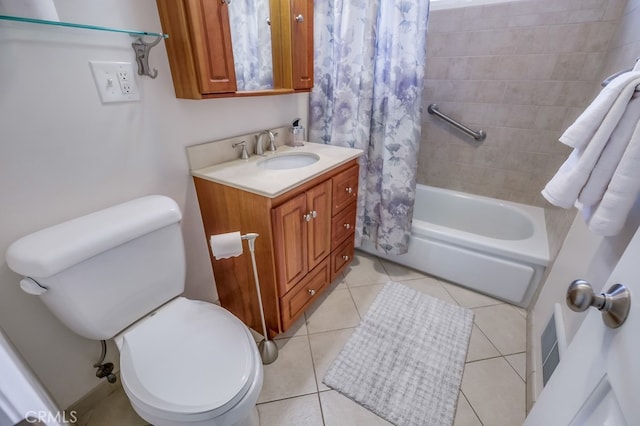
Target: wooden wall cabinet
200,51
306,240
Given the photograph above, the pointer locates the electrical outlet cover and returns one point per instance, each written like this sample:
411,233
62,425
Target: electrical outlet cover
115,81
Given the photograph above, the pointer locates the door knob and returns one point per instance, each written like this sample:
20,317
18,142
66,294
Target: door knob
614,305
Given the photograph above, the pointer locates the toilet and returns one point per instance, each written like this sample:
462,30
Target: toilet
118,274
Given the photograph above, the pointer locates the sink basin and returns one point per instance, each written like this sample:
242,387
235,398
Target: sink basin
288,161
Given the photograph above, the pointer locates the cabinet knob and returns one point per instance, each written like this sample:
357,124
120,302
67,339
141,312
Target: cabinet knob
312,292
347,226
306,217
345,257
226,1
299,18
349,190
313,214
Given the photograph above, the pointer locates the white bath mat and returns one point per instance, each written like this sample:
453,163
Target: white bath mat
405,360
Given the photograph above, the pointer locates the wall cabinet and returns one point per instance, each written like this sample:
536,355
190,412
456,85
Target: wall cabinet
306,240
200,50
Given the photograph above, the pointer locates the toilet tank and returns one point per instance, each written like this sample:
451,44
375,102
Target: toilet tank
105,270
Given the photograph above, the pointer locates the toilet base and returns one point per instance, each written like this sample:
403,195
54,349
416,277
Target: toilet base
253,419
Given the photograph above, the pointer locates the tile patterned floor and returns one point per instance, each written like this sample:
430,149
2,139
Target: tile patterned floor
493,387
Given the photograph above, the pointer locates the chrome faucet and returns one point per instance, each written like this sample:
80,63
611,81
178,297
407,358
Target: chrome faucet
260,144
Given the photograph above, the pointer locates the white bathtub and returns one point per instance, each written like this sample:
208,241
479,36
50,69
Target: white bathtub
491,246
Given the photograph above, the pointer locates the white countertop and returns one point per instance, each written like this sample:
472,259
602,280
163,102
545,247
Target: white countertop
246,175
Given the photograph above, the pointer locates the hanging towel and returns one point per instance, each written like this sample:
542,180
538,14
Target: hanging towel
605,110
604,135
621,139
609,217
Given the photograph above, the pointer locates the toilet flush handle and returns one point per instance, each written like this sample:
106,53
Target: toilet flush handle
31,286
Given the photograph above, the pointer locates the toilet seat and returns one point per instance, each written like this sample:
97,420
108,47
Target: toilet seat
187,359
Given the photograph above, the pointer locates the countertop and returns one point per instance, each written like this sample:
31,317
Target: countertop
246,175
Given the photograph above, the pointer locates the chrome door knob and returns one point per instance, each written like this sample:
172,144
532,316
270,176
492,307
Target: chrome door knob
614,304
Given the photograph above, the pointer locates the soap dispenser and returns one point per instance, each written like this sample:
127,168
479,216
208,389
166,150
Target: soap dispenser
296,133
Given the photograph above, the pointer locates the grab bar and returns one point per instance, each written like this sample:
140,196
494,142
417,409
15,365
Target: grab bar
480,135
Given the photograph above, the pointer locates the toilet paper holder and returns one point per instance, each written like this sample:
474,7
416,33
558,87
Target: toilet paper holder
267,348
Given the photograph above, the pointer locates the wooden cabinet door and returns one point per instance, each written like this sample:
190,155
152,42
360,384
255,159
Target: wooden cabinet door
302,43
345,189
211,35
290,239
319,205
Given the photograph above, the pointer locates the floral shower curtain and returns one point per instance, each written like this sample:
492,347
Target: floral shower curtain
369,73
251,41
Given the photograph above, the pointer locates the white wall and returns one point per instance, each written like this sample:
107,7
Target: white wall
64,154
584,255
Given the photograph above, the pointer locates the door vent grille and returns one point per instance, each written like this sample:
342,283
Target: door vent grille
550,350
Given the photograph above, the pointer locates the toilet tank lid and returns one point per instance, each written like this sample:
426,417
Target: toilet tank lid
52,250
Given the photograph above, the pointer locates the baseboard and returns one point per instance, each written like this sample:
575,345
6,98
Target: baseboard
97,394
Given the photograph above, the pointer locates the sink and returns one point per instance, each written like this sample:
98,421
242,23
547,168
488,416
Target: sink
288,161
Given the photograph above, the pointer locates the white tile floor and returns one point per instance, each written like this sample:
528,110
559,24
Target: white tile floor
493,387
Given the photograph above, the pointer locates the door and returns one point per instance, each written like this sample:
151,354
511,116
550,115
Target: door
290,236
598,380
302,43
319,205
211,35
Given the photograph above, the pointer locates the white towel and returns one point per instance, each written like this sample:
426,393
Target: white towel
609,217
607,163
605,110
604,135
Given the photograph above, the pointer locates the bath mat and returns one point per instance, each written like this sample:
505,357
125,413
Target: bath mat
405,359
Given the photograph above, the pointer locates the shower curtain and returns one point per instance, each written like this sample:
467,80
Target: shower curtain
369,74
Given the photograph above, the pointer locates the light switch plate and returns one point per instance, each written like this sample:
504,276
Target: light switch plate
115,81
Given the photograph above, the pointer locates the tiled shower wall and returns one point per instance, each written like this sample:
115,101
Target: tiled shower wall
522,71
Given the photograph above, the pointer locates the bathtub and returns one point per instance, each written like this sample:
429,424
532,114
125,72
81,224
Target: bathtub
495,247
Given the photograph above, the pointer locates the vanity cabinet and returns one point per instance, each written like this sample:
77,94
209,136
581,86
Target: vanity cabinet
306,240
200,50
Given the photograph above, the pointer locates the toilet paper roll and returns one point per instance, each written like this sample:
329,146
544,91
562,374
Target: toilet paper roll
227,245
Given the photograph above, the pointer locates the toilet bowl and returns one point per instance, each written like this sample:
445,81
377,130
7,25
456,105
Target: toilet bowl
191,363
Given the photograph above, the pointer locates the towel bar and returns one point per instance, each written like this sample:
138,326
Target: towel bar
480,135
609,79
